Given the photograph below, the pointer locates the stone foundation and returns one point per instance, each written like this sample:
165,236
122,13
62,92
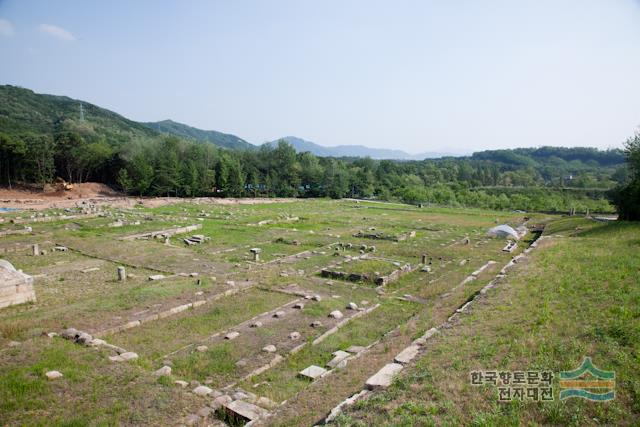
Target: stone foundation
383,236
364,277
15,286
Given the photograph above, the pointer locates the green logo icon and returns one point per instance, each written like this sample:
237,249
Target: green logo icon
588,382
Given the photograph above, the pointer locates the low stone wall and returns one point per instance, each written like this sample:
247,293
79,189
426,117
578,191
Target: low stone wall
26,230
51,218
168,232
15,249
383,236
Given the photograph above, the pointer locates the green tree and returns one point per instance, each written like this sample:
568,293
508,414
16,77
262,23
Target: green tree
143,174
41,152
414,195
310,174
190,179
12,152
335,181
627,197
286,170
167,173
124,181
235,187
222,174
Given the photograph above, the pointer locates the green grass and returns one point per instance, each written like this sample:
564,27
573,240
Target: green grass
218,360
91,392
158,338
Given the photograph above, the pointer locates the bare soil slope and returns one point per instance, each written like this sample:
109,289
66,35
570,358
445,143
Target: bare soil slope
27,198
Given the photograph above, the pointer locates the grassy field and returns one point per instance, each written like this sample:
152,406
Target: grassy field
216,287
93,390
578,296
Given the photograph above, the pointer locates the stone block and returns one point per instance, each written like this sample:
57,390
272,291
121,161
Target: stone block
15,286
232,335
312,372
53,375
202,390
339,356
408,354
240,411
383,378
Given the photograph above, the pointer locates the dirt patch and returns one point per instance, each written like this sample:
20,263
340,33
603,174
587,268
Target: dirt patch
79,191
101,194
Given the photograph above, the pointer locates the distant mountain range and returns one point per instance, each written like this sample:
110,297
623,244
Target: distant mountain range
23,111
302,145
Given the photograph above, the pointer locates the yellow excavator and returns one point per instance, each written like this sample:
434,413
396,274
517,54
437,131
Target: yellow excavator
61,184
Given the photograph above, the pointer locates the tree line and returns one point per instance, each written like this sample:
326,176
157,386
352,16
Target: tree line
170,166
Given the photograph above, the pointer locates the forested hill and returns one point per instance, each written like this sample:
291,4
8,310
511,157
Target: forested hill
553,156
24,112
220,139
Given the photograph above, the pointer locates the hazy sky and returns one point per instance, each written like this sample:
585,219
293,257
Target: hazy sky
453,76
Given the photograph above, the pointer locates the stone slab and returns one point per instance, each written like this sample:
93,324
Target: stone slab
244,410
339,356
423,339
124,357
384,377
53,375
312,372
408,354
232,335
202,390
355,349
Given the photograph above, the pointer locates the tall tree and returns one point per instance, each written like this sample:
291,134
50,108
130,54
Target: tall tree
12,151
167,172
124,181
40,153
235,185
